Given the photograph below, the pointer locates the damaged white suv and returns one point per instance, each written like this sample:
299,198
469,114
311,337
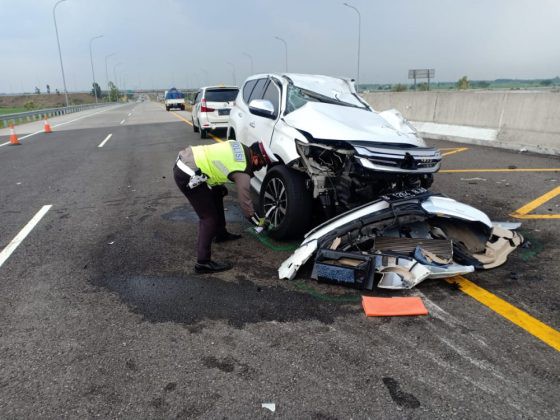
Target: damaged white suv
335,151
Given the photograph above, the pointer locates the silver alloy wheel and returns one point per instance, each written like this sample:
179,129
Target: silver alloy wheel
275,201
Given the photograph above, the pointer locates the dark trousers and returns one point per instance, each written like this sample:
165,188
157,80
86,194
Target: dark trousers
209,206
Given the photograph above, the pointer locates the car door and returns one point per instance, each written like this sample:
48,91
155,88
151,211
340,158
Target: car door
196,105
241,118
261,128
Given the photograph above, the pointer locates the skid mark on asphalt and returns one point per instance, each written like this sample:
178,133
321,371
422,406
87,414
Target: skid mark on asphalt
523,212
401,398
520,318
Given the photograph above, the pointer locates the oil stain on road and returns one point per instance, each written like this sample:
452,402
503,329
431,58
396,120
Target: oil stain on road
190,300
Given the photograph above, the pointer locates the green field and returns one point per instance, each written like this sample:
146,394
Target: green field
8,110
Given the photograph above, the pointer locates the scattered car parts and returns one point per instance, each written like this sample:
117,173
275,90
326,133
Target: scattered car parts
402,239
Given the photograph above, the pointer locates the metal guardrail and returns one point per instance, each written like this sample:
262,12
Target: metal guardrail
39,114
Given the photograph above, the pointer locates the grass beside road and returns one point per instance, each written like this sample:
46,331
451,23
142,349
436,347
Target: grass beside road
11,110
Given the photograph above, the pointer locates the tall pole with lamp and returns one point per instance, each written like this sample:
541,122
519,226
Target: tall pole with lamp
285,50
359,40
59,53
91,59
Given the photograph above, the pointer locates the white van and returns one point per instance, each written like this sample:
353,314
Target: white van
211,107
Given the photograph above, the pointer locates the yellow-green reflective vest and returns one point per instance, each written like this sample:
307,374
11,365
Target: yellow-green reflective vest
219,160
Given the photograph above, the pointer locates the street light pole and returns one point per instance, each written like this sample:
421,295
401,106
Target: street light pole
59,53
286,50
251,59
233,73
91,59
106,72
115,73
359,40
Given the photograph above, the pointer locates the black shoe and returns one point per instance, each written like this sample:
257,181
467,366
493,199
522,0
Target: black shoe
226,237
212,267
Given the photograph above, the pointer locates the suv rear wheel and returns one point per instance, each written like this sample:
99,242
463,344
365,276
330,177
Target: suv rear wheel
194,127
286,202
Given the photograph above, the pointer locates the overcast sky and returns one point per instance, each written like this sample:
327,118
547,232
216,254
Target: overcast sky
160,43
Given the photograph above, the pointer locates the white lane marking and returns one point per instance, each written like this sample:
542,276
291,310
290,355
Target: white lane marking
64,123
105,141
129,114
6,252
122,122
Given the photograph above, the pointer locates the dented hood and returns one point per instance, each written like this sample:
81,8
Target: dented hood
336,122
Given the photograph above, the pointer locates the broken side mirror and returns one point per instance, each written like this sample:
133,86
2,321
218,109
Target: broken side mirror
262,108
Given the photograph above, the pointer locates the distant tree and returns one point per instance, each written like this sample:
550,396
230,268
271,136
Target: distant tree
463,83
399,87
96,89
57,91
37,91
48,89
547,82
423,87
29,105
113,92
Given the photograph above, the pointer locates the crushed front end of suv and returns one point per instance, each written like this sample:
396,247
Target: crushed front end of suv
336,152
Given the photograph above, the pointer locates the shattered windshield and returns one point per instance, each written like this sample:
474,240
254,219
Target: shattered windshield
299,96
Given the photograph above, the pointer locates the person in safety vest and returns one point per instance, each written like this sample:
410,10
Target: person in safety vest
201,172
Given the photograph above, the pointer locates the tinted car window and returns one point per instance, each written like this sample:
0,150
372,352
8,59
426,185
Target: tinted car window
247,89
174,94
221,95
272,93
258,90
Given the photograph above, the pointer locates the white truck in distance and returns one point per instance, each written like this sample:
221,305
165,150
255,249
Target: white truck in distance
174,99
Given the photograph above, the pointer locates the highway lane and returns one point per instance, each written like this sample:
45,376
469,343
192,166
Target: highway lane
100,313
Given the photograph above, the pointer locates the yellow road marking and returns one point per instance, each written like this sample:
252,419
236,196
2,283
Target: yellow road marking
457,171
522,212
520,318
219,140
454,150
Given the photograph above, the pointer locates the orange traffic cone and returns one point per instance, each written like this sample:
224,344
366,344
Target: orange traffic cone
47,126
13,138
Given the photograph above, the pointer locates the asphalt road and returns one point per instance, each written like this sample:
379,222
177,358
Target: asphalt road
101,314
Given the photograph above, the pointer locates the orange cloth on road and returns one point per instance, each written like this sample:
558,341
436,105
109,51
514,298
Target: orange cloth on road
396,306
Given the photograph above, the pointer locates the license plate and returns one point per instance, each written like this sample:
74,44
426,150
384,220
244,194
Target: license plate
223,111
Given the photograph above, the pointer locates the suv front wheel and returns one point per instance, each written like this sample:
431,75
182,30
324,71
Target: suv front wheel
286,202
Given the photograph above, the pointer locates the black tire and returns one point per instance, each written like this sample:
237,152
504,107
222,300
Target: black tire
285,190
203,133
194,127
231,135
167,108
182,107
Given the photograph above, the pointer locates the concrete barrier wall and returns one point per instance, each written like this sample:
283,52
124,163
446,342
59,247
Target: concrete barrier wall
519,120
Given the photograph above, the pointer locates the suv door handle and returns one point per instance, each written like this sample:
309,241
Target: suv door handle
252,124
240,114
